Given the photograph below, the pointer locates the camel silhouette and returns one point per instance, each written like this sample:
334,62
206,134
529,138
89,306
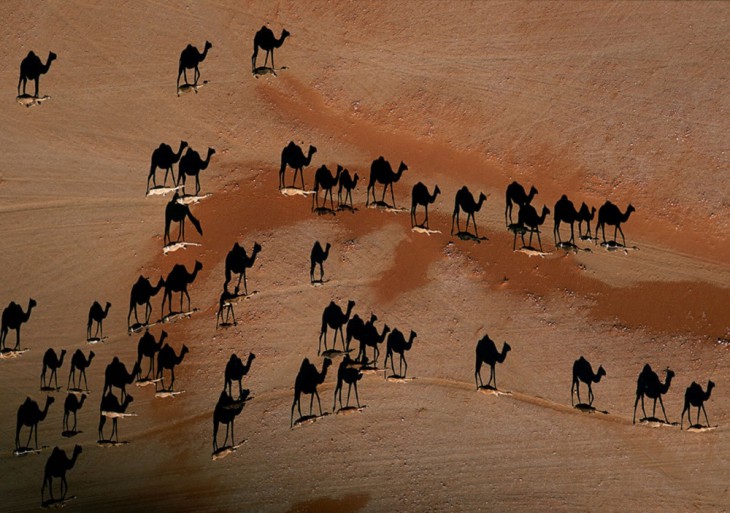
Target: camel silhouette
516,194
56,466
611,215
397,343
348,183
293,156
148,348
12,319
116,375
53,362
308,378
167,359
695,396
226,411
585,215
465,201
72,404
80,362
529,221
237,261
177,212
110,404
371,338
225,305
191,165
648,385
97,314
333,317
564,212
142,292
235,371
178,281
163,157
266,40
356,329
324,180
421,196
487,353
29,414
190,58
582,371
317,257
381,172
346,373
31,68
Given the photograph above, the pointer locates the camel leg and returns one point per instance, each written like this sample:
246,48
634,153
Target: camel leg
572,234
404,361
321,275
356,396
311,404
623,239
318,401
301,176
661,403
590,394
392,196
36,87
425,221
538,239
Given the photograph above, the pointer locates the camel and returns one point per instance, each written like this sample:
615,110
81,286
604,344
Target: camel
163,157
80,362
370,337
350,375
98,314
226,411
177,212
306,383
582,371
323,179
53,362
116,375
265,40
648,385
12,319
317,257
225,305
293,156
564,212
421,196
487,353
191,165
611,215
72,405
31,68
235,371
356,328
695,396
381,172
167,359
397,343
29,414
142,292
237,261
110,404
333,317
348,183
464,200
56,466
178,281
190,58
585,216
516,194
529,221
148,348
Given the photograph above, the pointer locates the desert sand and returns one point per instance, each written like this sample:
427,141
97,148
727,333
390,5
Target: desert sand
619,101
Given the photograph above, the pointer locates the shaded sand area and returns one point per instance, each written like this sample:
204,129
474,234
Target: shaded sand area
618,101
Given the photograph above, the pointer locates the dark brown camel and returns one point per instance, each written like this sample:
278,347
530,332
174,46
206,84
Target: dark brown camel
293,156
235,371
695,396
53,362
237,261
97,314
148,348
226,411
31,68
190,58
333,317
611,215
29,414
356,329
324,180
266,40
225,305
81,363
582,371
178,281
348,183
421,196
464,200
177,212
487,353
381,172
516,194
116,375
167,359
371,338
317,257
529,221
142,292
191,165
12,319
72,404
585,215
306,382
397,343
56,466
163,157
111,405
346,373
564,212
648,385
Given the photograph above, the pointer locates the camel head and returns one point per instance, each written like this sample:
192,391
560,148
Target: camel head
373,318
325,365
436,191
256,247
482,199
184,351
251,357
108,306
51,57
327,248
355,179
284,34
208,45
91,356
49,400
77,451
31,304
63,355
601,372
506,348
710,386
127,401
198,266
402,167
163,336
545,213
533,191
312,151
629,209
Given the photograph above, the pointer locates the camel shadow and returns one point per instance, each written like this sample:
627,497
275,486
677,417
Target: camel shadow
470,236
309,419
657,422
587,408
331,353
